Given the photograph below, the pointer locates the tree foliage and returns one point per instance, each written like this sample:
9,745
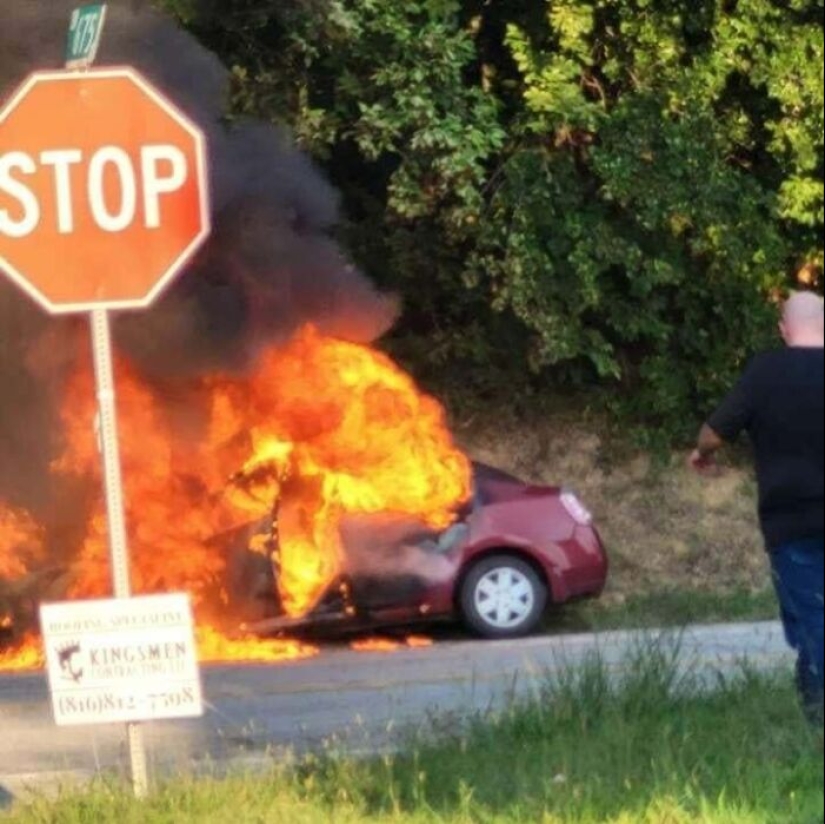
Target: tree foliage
599,193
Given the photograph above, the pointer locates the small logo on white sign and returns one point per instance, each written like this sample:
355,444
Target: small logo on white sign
69,657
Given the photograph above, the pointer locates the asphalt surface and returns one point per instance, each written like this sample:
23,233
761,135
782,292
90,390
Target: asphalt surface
356,702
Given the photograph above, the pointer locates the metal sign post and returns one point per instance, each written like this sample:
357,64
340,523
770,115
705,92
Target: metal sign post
85,34
115,510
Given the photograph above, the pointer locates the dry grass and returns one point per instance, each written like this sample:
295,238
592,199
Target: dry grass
666,528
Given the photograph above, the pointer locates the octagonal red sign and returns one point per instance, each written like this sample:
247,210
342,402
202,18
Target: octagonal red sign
103,190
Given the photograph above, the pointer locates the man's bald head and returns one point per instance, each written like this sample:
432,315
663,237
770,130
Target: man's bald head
803,320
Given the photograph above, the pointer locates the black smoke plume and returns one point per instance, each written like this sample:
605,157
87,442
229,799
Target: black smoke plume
271,266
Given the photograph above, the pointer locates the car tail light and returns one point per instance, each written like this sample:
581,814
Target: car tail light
576,509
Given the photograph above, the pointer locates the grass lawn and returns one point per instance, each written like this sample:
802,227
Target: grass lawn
655,750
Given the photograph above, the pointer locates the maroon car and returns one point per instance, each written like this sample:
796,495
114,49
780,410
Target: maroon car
513,551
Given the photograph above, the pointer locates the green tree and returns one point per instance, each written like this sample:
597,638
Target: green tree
571,193
668,168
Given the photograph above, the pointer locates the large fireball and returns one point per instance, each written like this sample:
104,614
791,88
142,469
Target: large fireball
320,429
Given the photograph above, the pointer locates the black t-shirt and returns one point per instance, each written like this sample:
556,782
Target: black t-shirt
780,403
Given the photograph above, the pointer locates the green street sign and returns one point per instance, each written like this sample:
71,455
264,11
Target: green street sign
85,32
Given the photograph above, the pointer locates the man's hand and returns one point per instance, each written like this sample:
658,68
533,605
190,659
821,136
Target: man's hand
702,458
703,464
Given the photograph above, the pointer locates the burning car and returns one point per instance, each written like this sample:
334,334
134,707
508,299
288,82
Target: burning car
353,509
513,550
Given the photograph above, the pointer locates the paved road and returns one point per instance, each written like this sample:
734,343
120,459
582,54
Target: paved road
361,701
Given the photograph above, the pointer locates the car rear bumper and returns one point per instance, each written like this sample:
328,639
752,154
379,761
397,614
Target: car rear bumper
587,575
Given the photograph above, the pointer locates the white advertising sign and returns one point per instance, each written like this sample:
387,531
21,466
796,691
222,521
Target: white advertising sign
122,661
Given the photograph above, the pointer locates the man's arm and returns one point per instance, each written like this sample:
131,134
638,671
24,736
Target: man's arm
726,423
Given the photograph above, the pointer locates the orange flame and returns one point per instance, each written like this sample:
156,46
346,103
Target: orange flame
216,648
21,543
28,655
213,647
319,430
388,645
358,438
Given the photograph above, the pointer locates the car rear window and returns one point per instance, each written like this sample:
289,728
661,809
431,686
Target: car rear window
494,486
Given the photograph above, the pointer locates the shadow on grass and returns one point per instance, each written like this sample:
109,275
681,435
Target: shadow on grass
592,747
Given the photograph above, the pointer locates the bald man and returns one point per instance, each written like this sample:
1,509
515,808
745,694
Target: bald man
780,402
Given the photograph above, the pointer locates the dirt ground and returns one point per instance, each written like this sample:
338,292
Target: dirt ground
665,527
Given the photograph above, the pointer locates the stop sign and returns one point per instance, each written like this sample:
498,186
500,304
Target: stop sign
103,190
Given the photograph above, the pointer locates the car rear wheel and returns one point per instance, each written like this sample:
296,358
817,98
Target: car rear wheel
503,597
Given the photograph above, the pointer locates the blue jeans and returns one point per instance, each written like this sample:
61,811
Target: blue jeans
799,573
